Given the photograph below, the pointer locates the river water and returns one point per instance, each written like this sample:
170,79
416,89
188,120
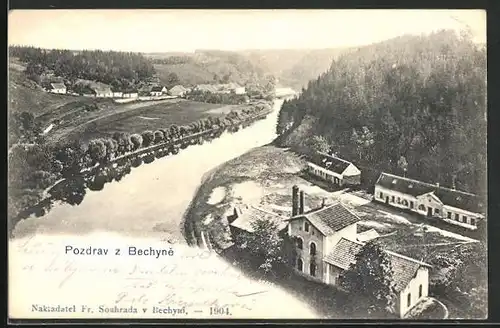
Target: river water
144,209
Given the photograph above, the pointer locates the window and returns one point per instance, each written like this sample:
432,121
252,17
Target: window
306,226
399,200
381,195
405,202
312,231
421,207
312,249
408,301
449,215
465,218
420,291
436,211
473,221
300,243
312,269
392,199
300,265
456,217
411,204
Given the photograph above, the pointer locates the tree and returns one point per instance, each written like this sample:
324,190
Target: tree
147,138
97,151
402,164
136,140
158,137
264,243
172,79
369,279
319,144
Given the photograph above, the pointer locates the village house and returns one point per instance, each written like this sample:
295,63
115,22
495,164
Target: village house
410,277
451,205
207,88
130,94
117,94
157,91
333,169
178,91
59,88
101,91
236,88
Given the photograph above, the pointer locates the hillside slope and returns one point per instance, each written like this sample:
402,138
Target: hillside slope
417,98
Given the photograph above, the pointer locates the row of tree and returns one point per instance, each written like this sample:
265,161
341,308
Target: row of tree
217,98
119,69
420,97
34,168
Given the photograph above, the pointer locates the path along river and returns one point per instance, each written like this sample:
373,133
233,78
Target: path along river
144,210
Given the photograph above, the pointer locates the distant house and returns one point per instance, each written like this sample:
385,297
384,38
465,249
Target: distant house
240,222
410,277
178,91
56,88
237,89
454,206
130,94
157,91
117,94
207,88
101,91
333,169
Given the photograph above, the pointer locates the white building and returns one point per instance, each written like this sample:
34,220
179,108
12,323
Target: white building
59,88
454,206
178,91
157,91
333,169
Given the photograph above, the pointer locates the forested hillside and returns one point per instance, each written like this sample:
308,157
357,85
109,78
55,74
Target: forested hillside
415,100
119,69
207,66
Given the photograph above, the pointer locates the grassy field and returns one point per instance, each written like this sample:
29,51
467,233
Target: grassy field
133,118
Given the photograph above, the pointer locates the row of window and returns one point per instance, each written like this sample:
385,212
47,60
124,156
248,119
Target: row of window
408,300
421,207
326,176
312,267
312,246
398,200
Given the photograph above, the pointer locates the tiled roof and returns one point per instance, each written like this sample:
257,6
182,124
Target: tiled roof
455,198
403,268
251,214
158,88
330,163
344,253
58,86
330,219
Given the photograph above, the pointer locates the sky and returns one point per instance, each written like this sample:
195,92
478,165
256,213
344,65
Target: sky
188,30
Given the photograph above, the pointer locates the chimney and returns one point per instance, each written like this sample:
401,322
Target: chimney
323,202
453,186
437,184
295,200
301,202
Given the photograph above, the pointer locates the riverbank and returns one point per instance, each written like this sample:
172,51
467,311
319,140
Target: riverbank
72,190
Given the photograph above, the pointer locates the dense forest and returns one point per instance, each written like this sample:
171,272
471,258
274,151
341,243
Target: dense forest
121,70
413,104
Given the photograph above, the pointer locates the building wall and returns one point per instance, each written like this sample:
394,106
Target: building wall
353,179
421,278
333,274
443,210
428,204
325,174
296,229
60,91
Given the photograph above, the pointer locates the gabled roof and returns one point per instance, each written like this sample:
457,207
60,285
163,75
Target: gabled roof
100,88
130,91
329,163
251,214
330,219
57,86
404,268
451,197
158,88
179,88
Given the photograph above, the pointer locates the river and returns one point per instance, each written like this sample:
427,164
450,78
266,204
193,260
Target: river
145,209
